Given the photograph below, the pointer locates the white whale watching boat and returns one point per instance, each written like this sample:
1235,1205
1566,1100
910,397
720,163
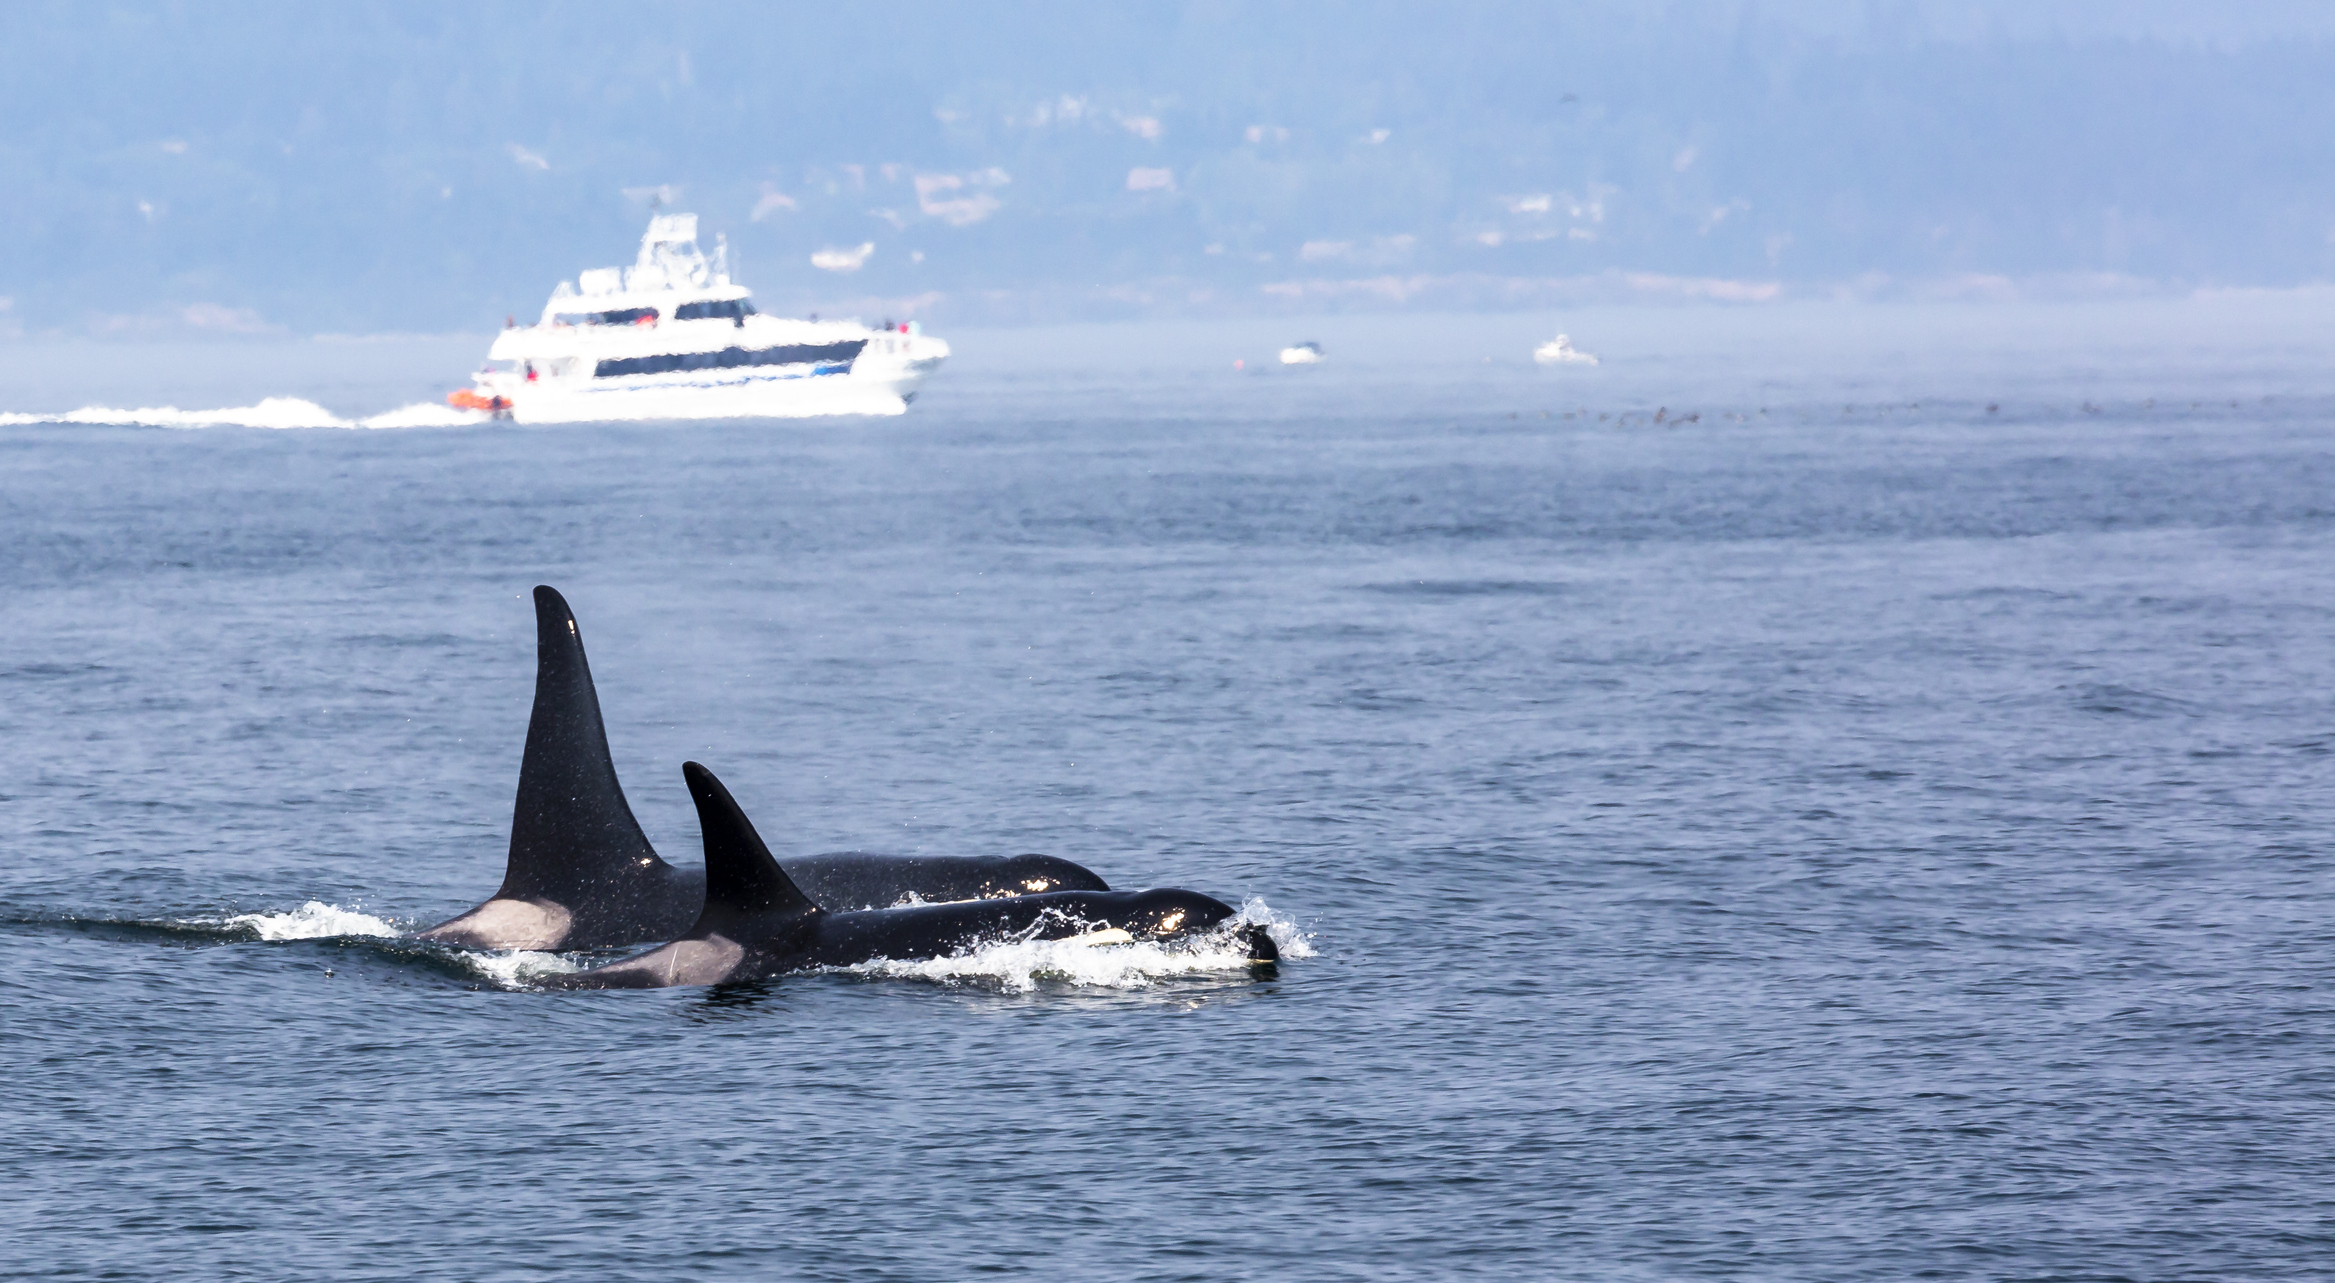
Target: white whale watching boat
672,337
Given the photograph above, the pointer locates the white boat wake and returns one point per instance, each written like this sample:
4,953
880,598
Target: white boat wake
274,412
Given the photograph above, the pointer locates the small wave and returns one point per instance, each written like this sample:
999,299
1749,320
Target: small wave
1018,965
1471,588
314,920
2127,701
273,412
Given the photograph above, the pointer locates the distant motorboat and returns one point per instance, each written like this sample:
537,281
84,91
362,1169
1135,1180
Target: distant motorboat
1307,353
1560,351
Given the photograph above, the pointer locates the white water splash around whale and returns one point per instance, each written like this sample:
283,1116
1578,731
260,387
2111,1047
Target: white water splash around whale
520,968
1015,966
1018,966
314,920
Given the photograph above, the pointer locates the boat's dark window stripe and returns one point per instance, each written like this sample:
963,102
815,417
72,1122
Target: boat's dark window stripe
731,358
736,309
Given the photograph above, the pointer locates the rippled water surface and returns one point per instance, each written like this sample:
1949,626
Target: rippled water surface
1790,803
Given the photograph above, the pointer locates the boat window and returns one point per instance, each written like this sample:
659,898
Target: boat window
712,310
730,358
621,316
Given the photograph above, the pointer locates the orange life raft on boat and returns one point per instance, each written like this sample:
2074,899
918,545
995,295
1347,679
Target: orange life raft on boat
467,399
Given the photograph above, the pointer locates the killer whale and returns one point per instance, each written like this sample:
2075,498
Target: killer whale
757,923
582,875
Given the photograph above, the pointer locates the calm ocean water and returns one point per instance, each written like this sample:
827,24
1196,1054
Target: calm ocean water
1875,820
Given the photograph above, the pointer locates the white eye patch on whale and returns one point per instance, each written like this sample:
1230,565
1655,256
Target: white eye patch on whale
582,875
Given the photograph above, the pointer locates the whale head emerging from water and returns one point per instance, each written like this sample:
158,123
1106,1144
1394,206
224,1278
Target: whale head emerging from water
757,923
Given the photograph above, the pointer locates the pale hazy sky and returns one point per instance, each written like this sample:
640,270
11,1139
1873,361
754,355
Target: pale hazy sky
411,166
2226,23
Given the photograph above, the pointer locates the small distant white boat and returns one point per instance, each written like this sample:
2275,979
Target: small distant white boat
1560,351
1308,353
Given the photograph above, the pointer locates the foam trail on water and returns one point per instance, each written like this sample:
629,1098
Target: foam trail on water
314,920
1018,965
297,412
274,412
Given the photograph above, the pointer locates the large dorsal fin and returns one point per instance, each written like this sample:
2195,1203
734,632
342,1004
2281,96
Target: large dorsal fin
741,877
570,825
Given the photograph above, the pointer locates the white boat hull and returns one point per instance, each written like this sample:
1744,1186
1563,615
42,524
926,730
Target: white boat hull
722,394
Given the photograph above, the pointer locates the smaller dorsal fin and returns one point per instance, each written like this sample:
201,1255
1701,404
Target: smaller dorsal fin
741,877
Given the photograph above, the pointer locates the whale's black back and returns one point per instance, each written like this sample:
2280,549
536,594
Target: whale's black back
843,880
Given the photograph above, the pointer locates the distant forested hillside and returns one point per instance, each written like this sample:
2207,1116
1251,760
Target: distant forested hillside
375,165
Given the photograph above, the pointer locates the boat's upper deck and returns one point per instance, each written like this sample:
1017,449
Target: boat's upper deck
675,307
